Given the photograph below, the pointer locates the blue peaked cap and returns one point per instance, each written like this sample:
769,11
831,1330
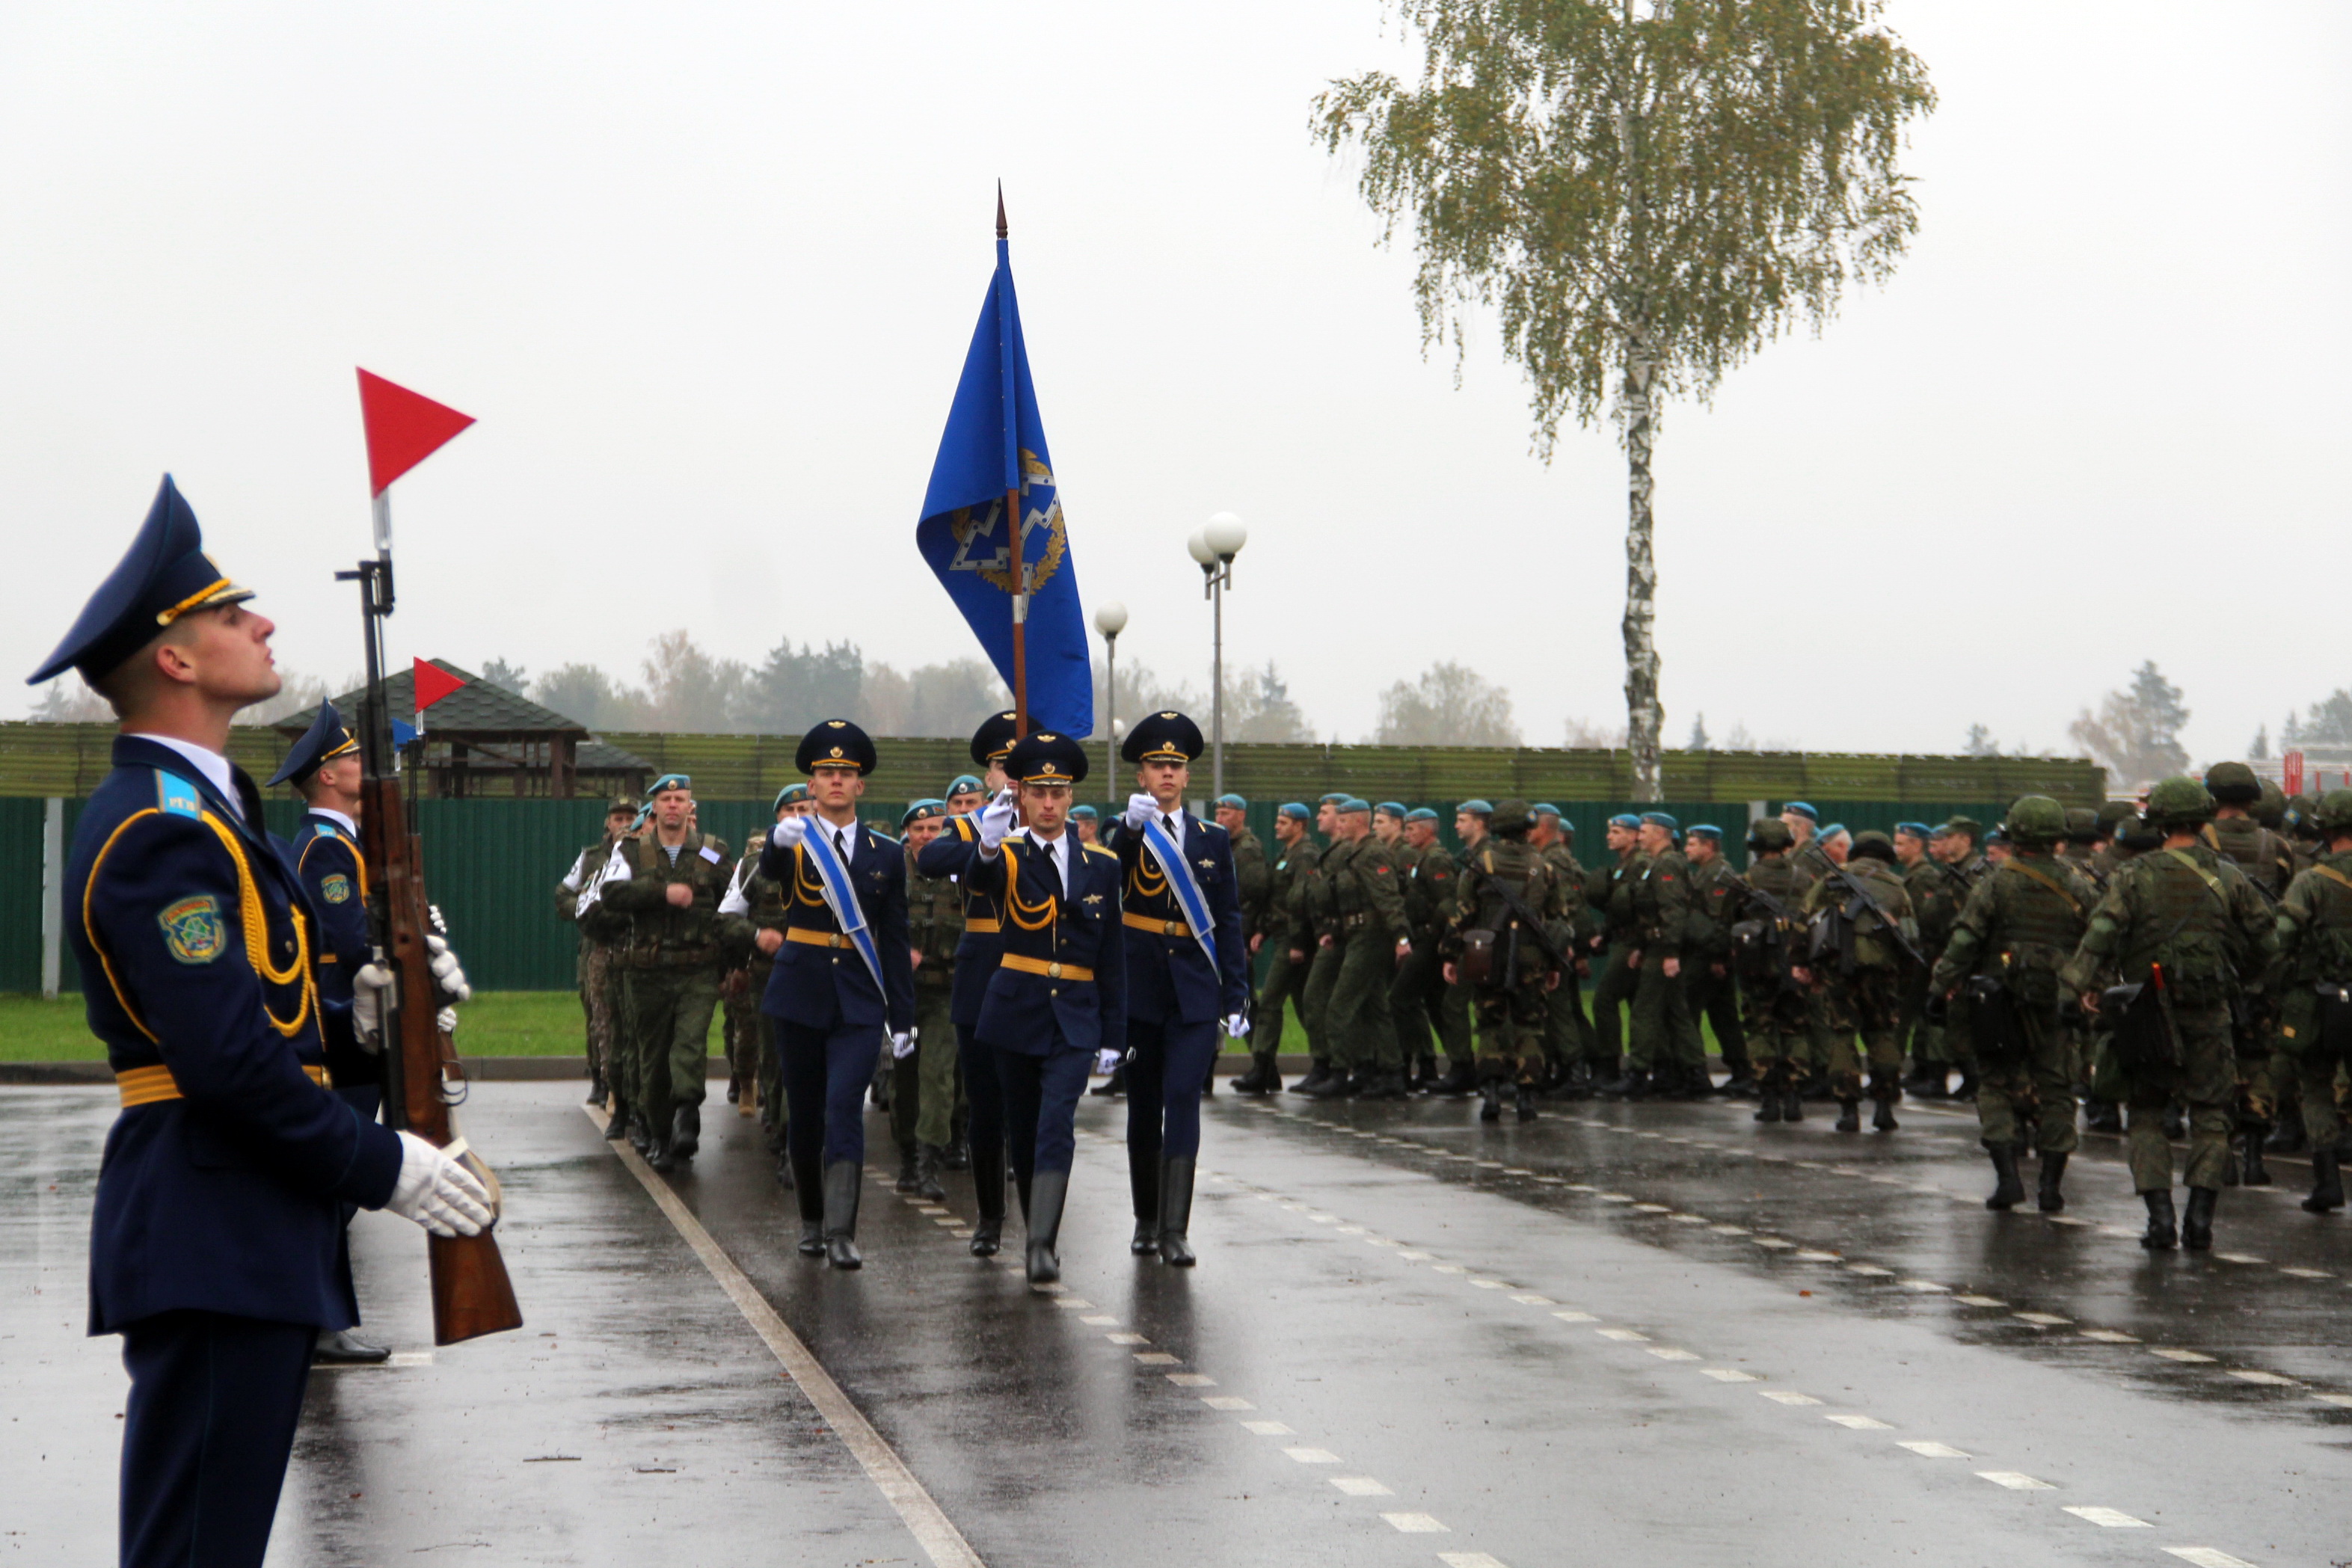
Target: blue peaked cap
325,739
162,576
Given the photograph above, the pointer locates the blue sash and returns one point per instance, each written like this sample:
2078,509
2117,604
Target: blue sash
841,897
1189,897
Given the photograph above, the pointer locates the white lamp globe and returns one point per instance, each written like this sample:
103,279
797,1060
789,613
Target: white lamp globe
1225,534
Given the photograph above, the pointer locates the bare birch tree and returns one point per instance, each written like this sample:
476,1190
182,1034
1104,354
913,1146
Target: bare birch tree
1647,190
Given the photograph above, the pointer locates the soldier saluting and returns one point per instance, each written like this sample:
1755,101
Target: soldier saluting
216,1245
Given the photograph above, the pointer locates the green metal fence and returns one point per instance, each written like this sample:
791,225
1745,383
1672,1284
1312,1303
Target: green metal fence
493,866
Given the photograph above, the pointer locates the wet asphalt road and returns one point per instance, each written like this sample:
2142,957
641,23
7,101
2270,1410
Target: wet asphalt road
1652,1333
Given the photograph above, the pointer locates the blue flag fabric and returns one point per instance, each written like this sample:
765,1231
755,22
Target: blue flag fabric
995,443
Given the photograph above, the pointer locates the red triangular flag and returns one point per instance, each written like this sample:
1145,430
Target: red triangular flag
403,428
433,683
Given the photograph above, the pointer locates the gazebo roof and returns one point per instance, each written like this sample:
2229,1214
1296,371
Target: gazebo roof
478,707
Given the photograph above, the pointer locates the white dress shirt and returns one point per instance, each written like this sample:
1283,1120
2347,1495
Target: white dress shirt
1056,851
210,763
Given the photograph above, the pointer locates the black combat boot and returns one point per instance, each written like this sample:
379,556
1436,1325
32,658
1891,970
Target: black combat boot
686,1131
1269,1075
2176,1123
1849,1115
1385,1086
1047,1189
1143,1189
1527,1103
1793,1102
841,1194
1921,1083
2255,1173
1741,1085
641,1138
1490,1100
1318,1069
617,1122
928,1159
734,1088
958,1155
2326,1182
2162,1235
1331,1086
2008,1191
661,1156
907,1180
596,1090
1115,1085
2197,1222
1251,1082
1769,1095
1883,1092
2049,1199
988,1195
1634,1085
1176,1212
1968,1086
1461,1080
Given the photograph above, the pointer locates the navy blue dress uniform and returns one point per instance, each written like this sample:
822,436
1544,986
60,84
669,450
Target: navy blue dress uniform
831,1011
1176,998
1058,994
950,855
326,855
217,1248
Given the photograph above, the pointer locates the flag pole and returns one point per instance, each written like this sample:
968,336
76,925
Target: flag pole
1013,494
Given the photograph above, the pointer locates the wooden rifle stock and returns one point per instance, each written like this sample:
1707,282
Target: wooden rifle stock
471,1293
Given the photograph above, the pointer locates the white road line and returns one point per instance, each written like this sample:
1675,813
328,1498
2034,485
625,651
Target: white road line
1269,1430
1624,1336
1474,1560
1361,1486
1529,1299
2112,1518
2015,1481
1787,1397
1125,1338
1810,1256
1489,1284
1666,1352
1935,1450
1069,1303
1980,1301
1191,1380
2240,1257
2181,1354
1927,1287
2205,1556
1872,1269
2268,1379
1100,1320
1313,1455
1576,1317
1858,1423
1449,1267
2041,1319
2300,1274
2341,1401
1726,1375
2109,1336
1416,1524
1226,1402
941,1542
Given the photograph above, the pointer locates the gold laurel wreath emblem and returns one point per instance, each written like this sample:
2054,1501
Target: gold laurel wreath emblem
964,526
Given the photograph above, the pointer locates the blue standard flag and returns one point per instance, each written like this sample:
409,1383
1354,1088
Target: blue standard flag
995,444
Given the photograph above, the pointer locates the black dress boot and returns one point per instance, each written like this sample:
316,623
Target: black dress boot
1882,1109
1143,1167
2256,1174
2197,1222
1176,1212
2008,1191
1849,1115
988,1196
907,1180
2162,1235
784,1172
840,1192
928,1158
958,1155
2326,1182
2050,1199
1047,1189
1527,1103
808,1193
1490,1100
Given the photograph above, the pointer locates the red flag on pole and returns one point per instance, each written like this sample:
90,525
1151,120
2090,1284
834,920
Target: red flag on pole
2292,781
433,683
403,428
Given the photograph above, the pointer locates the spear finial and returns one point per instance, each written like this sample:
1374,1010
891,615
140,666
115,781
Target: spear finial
1000,230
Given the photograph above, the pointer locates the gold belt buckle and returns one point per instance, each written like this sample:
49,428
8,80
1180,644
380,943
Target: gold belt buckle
1172,927
1052,971
837,939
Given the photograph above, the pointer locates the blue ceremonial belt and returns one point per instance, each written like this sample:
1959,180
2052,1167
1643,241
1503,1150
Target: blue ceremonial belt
842,899
1179,872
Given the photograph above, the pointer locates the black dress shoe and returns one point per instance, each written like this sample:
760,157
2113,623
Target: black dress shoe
1115,1084
958,1155
841,1252
342,1347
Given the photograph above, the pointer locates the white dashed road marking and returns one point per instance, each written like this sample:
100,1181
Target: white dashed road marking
1313,1455
1416,1524
1935,1451
2015,1481
2113,1518
1858,1423
2206,1557
1361,1486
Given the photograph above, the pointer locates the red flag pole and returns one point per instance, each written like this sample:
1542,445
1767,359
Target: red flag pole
1013,521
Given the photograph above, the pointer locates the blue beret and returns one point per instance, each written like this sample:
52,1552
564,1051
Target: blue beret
916,811
1917,830
668,781
1333,799
1831,829
1353,804
965,784
1236,801
1394,807
165,574
1663,820
1545,808
1705,831
1085,813
1294,809
1624,820
1478,808
788,794
1420,814
1802,809
323,741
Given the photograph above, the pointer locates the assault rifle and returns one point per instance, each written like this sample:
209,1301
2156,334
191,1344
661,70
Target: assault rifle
471,1293
1859,899
1521,917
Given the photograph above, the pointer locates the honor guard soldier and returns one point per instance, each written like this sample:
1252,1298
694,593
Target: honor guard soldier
1056,995
1285,972
216,1245
594,966
844,977
923,1094
977,951
2187,930
1187,974
667,884
2314,938
324,768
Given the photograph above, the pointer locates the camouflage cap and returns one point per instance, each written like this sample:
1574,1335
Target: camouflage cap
2112,814
2180,803
620,806
1766,834
1969,825
2035,820
2232,784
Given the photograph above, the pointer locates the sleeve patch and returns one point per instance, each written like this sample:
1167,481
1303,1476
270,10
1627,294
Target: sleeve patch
176,797
192,929
335,888
710,855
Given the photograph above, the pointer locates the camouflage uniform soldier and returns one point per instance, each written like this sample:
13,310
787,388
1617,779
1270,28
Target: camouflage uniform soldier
1665,1043
2019,927
1512,907
1415,1045
1282,931
1255,877
2314,939
1609,888
1914,1033
1417,997
759,901
1371,904
1860,948
2265,1076
1710,989
1569,1044
668,883
1324,951
923,1094
1454,998
594,966
1938,890
2183,921
1765,940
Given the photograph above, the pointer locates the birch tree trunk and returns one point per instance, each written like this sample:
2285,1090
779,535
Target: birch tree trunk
1644,718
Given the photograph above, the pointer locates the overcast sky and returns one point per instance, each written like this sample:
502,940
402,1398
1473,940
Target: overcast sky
705,275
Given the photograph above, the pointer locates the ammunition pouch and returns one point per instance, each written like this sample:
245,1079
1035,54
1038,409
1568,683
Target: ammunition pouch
2145,1039
1476,964
1999,1039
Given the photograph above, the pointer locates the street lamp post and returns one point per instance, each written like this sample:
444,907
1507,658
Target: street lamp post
1110,619
1215,548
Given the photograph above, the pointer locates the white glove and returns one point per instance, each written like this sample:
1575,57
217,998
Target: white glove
368,986
445,1021
1107,1061
788,833
437,1192
1237,1025
447,974
1141,808
997,820
902,1046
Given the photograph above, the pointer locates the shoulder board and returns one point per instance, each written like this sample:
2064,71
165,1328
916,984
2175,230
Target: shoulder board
175,796
883,838
1099,850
